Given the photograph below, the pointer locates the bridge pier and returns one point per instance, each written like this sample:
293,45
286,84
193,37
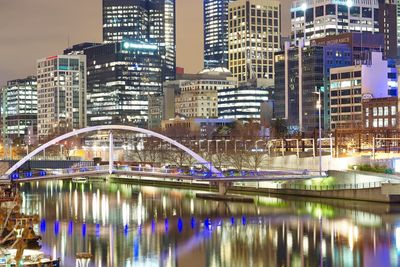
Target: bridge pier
223,187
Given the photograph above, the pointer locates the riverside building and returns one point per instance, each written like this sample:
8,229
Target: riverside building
61,93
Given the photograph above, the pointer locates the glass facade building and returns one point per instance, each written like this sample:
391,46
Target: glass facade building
243,102
215,33
295,87
121,76
150,21
19,107
61,90
311,19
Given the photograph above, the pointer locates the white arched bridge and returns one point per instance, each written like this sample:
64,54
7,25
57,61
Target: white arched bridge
212,174
110,128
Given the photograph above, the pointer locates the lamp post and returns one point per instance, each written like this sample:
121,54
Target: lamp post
61,151
319,131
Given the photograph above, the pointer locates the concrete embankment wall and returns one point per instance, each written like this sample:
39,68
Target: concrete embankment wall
361,177
367,194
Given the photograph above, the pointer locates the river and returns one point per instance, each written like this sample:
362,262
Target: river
132,225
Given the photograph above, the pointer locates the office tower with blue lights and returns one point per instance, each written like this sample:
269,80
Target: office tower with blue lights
149,21
215,33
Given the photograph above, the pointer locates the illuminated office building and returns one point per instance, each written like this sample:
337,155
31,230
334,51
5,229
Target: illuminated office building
149,21
254,36
121,76
61,90
19,107
312,19
215,33
352,84
243,102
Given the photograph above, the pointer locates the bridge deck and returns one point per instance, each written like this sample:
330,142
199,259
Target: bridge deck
271,176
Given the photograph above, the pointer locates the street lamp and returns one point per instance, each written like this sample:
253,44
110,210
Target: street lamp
61,151
319,105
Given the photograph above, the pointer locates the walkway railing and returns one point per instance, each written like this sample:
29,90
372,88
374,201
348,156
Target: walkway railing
327,187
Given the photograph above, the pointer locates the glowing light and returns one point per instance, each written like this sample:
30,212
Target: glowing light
193,222
397,238
349,3
128,45
180,225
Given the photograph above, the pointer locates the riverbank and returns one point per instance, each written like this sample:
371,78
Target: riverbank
384,193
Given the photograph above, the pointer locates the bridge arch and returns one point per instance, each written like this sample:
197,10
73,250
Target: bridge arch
103,128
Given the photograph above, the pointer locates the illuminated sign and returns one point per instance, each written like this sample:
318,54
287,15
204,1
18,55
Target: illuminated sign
128,45
367,96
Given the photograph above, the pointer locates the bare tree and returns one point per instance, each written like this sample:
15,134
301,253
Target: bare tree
255,160
238,159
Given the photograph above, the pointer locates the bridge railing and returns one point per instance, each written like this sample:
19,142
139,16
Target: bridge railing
292,186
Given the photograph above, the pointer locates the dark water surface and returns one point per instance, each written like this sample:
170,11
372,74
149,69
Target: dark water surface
130,225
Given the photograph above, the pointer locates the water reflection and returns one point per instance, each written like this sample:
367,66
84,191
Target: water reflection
127,225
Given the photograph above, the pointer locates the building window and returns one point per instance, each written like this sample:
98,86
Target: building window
393,122
375,123
386,122
380,123
386,111
367,123
393,110
367,112
375,112
380,111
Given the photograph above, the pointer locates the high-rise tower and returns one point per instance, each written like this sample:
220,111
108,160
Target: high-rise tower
150,21
215,33
254,37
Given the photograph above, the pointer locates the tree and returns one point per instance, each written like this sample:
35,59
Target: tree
238,159
255,160
279,128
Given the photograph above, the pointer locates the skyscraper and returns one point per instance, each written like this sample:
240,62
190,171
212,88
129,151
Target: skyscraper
19,107
151,21
254,36
215,33
61,90
121,76
388,26
312,19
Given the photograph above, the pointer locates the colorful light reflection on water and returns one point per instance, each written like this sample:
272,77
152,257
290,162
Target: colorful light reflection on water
129,225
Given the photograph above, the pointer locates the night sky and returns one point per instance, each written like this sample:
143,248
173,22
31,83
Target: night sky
33,29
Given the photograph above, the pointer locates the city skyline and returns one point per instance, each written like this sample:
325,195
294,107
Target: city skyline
49,32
